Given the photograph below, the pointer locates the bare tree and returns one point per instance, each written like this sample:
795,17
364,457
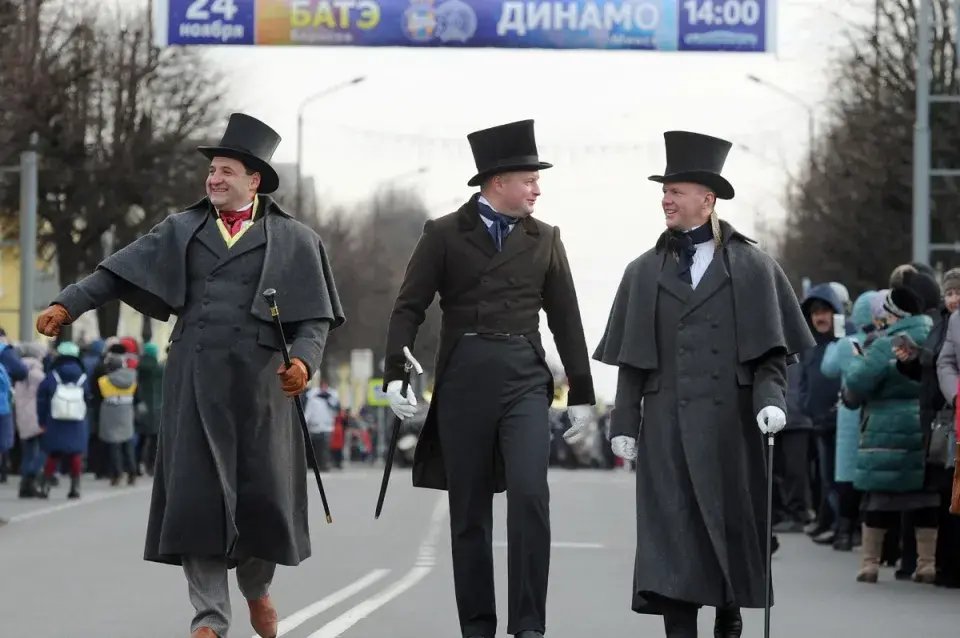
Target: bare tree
369,248
850,208
118,121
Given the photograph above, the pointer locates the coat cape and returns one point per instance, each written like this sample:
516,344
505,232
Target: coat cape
768,315
231,473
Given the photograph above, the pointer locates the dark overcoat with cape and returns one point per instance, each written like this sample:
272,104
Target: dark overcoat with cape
231,468
696,365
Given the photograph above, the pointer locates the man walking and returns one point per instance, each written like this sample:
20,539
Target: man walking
230,483
487,430
702,329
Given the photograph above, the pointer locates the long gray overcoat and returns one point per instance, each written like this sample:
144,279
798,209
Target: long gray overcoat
695,367
231,468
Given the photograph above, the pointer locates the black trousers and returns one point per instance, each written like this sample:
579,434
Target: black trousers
147,452
826,461
121,458
849,501
792,457
494,396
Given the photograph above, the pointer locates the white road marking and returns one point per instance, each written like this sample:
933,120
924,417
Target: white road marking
560,545
83,500
426,560
297,618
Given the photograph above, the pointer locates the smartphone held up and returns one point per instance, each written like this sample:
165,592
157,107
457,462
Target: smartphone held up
839,326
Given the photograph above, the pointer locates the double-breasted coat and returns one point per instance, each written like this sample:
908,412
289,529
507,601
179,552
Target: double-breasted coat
485,291
230,476
689,389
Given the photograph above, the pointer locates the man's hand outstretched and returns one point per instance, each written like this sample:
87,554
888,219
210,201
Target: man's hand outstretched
52,319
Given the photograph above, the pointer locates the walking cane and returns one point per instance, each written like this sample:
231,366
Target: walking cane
410,364
271,296
768,576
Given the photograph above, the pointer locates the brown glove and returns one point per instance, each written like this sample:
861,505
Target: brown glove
293,380
52,319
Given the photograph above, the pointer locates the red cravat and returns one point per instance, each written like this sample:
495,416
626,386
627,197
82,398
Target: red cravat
233,220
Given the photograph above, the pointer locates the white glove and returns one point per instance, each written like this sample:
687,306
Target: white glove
403,406
771,419
625,447
580,418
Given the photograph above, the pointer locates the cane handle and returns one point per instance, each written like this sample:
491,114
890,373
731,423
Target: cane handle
411,360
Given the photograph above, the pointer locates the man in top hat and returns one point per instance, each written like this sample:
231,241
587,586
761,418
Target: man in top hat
230,479
487,430
702,328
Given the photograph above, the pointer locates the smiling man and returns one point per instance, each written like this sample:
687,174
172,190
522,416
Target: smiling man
702,329
495,267
229,489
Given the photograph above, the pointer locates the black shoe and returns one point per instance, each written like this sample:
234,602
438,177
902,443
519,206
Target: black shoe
774,545
728,624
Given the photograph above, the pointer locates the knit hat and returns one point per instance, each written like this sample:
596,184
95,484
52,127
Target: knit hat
68,349
876,305
951,280
917,294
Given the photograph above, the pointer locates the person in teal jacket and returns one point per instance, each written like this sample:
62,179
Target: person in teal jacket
836,363
891,457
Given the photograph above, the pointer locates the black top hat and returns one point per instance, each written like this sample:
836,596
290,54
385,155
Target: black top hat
250,141
696,158
504,148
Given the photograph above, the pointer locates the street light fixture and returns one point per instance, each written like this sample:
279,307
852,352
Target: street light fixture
303,105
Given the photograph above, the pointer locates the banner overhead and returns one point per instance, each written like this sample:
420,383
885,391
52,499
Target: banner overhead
650,25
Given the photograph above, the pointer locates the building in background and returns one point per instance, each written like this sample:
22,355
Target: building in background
46,288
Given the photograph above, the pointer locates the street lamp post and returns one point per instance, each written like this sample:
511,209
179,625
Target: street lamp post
303,106
811,117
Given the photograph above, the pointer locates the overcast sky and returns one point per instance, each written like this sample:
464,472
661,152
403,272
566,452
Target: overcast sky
599,117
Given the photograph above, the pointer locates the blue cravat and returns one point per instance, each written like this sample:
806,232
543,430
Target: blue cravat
500,227
685,246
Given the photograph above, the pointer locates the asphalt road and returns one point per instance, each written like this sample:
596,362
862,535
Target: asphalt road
73,569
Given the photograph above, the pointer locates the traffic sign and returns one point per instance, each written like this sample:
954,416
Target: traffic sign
376,397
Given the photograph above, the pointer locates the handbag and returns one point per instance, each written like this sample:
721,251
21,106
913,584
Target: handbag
941,451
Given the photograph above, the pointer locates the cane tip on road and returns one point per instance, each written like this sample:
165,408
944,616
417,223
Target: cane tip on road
329,519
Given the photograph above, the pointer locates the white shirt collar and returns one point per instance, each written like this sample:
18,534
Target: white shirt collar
241,209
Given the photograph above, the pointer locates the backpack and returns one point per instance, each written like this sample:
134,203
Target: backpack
69,400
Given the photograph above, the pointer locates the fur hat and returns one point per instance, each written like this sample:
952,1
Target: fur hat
951,279
896,277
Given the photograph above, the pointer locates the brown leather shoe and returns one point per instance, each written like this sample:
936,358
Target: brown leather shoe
263,617
204,632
